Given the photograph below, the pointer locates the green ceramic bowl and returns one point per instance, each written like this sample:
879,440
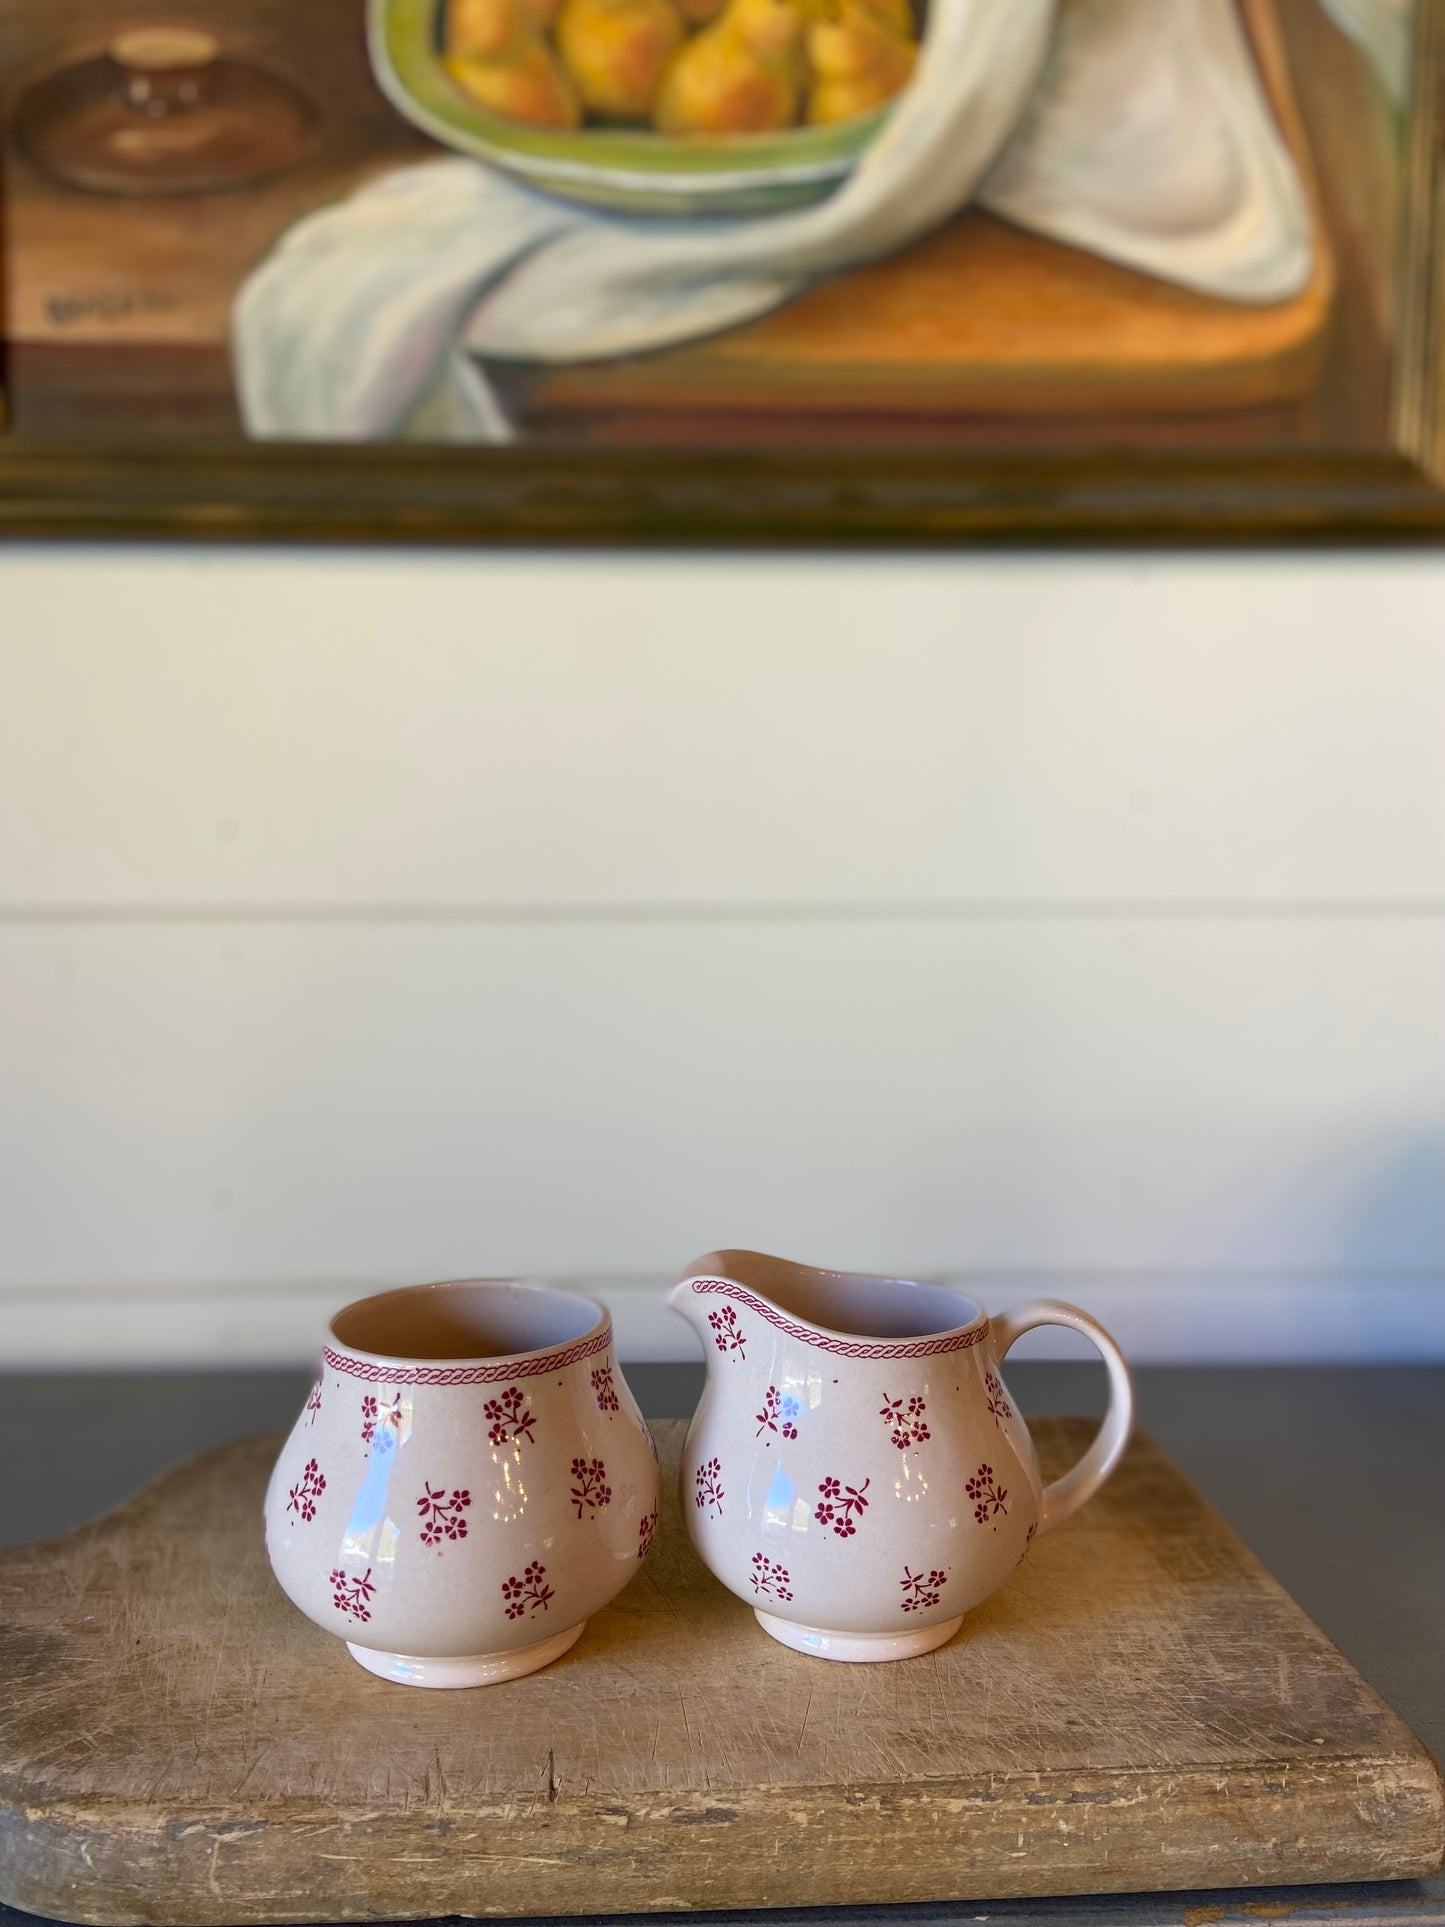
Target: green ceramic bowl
627,169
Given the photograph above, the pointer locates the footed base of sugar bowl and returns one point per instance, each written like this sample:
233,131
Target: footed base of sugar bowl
473,1669
819,1643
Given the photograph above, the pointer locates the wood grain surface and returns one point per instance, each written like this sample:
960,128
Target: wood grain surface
1141,1707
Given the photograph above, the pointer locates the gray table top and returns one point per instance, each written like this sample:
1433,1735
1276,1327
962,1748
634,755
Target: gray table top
1334,1477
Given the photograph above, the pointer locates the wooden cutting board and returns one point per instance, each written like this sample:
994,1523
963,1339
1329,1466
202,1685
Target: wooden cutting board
1140,1707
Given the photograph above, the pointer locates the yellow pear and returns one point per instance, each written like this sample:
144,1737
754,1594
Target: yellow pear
896,15
697,13
858,58
616,52
741,75
481,29
523,82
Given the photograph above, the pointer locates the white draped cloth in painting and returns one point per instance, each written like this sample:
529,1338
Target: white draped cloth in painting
1139,130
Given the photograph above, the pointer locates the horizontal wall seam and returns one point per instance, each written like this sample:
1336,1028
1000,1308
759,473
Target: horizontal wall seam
903,910
1132,1278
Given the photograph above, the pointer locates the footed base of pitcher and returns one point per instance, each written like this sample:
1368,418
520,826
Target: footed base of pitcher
473,1669
819,1643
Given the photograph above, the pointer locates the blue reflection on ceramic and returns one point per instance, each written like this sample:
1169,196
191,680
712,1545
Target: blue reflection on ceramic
779,1501
369,1507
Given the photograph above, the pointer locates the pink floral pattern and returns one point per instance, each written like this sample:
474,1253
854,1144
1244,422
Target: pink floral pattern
905,1422
313,1402
350,1595
511,1417
646,1528
709,1487
954,1341
779,1414
989,1496
770,1579
307,1490
441,1514
997,1398
376,1418
727,1333
527,1592
839,1504
603,1389
921,1589
590,1490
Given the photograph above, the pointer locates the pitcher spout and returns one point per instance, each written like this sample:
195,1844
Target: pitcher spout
681,1300
723,1286
690,1304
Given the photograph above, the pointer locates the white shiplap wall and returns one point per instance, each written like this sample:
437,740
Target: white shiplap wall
1062,923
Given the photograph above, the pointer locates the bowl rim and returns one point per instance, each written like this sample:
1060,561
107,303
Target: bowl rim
401,37
411,1367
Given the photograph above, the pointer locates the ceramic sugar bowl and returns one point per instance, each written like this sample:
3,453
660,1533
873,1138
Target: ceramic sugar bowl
856,1469
469,1480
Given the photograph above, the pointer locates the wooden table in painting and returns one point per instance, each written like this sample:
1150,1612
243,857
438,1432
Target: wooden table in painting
116,309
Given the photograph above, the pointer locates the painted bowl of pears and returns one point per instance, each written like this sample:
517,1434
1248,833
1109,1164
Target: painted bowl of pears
674,107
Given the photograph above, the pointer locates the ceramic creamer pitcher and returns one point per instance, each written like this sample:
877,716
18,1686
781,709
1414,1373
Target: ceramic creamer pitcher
856,1469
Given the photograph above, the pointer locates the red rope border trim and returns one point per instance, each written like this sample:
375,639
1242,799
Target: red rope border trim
493,1372
845,1347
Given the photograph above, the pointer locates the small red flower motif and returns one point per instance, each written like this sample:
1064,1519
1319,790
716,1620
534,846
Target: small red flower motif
527,1592
441,1515
590,1491
376,1417
511,1418
645,1530
603,1389
905,1421
839,1503
727,1333
1029,1535
988,1493
307,1490
770,1579
313,1402
709,1487
352,1595
779,1414
921,1589
997,1398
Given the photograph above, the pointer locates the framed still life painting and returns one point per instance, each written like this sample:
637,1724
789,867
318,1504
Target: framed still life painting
748,269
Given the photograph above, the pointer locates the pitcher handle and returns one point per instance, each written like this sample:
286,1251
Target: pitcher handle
1083,1480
